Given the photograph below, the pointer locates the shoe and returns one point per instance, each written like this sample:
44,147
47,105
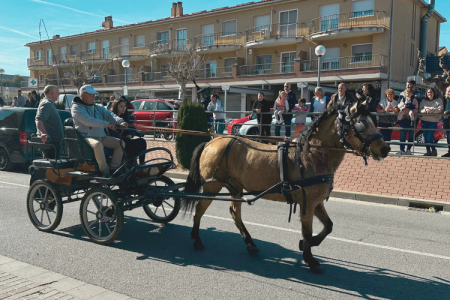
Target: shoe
446,155
106,174
434,152
408,152
427,154
401,152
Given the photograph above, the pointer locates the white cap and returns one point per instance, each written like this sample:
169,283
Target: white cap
87,89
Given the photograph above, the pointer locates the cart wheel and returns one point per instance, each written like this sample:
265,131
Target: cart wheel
100,218
5,161
165,209
44,205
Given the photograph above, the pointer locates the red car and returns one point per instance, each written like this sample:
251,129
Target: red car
235,125
419,137
146,113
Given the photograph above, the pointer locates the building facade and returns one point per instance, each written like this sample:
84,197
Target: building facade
250,47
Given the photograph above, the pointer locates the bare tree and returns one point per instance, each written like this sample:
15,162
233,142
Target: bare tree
85,73
183,64
441,81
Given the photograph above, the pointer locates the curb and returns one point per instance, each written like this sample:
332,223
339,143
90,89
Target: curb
375,198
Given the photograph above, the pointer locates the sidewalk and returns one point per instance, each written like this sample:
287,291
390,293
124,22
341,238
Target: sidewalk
20,280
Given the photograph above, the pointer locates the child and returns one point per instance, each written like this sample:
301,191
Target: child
407,102
300,119
281,105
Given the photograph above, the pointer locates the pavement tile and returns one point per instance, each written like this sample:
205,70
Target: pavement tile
66,284
5,260
11,266
110,296
86,291
47,277
28,272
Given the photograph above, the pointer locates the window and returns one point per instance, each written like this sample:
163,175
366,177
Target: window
74,50
181,39
362,8
208,35
66,75
163,37
140,40
330,60
105,49
288,23
49,56
8,119
261,22
91,47
136,104
124,46
287,62
37,55
162,106
211,69
41,79
228,64
149,105
229,27
263,62
62,53
329,17
361,53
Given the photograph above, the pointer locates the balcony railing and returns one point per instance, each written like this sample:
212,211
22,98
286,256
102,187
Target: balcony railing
64,58
367,18
39,61
262,69
155,76
59,82
169,45
285,30
121,78
213,73
349,62
95,54
128,51
216,39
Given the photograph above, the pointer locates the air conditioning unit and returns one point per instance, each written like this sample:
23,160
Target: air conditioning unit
265,32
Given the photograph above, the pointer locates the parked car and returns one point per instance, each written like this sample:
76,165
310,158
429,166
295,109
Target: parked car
419,136
16,127
146,113
235,125
251,127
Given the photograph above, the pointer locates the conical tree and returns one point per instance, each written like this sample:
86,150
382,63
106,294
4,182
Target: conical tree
191,116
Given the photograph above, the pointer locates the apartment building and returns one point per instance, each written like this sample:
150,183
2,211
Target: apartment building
250,47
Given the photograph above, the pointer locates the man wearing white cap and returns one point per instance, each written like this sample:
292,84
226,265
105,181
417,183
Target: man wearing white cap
91,120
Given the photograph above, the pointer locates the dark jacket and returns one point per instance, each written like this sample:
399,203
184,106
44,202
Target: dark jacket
348,99
265,108
447,115
36,100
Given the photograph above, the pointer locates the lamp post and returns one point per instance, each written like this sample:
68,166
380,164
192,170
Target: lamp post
1,84
125,65
320,51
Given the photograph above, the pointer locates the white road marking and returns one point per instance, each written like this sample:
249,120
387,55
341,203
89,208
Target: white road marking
16,184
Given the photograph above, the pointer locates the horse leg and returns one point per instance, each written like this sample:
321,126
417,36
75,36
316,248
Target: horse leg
235,211
321,213
200,210
307,220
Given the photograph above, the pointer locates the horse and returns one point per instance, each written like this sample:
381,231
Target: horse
252,166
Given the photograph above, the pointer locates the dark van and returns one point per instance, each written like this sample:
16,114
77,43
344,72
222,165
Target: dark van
16,126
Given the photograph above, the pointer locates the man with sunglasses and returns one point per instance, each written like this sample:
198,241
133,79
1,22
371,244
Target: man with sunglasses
292,100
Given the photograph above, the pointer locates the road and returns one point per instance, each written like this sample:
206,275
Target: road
375,252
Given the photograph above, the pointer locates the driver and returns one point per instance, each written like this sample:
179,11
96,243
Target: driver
90,121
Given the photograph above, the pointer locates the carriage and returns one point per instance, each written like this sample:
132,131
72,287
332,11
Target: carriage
73,177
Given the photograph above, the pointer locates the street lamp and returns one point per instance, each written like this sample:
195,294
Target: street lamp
320,51
125,65
1,85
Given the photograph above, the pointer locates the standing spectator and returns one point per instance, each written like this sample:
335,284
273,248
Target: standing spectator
215,106
430,105
262,108
279,105
29,101
447,119
411,84
342,98
36,98
13,104
300,119
204,100
319,102
19,101
2,102
405,123
408,104
387,105
111,100
292,100
370,97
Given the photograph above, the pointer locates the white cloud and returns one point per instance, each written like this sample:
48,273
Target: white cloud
17,31
74,9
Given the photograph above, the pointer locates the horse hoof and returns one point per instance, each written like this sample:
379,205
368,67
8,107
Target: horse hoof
252,250
199,246
317,269
300,245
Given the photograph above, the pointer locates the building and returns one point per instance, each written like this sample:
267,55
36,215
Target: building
252,46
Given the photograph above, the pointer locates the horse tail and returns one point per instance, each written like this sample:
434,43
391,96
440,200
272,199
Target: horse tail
194,180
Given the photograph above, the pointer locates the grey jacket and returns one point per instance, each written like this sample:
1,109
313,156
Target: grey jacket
91,120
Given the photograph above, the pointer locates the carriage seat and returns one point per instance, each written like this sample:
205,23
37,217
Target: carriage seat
53,164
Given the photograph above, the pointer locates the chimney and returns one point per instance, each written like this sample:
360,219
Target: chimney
179,10
173,11
56,36
108,23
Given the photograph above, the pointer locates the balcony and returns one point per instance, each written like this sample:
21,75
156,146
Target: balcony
273,35
39,63
213,73
347,25
342,63
130,53
94,56
155,76
168,47
266,69
64,59
217,42
116,79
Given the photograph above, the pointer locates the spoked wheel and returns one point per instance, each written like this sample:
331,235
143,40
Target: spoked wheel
169,135
5,161
100,218
165,209
44,205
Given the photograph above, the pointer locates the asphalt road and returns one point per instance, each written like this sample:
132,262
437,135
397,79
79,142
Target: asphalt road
374,252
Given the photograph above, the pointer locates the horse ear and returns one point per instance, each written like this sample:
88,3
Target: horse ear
354,108
364,103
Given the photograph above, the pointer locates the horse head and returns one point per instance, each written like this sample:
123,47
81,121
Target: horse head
358,131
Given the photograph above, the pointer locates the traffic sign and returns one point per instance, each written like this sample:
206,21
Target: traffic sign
302,85
32,82
225,87
125,90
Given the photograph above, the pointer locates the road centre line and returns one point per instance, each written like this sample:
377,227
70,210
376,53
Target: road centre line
328,237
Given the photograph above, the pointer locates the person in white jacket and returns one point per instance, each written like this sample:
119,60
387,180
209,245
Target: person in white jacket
215,106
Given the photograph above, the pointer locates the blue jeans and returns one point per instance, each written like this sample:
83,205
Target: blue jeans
386,133
218,128
403,133
429,134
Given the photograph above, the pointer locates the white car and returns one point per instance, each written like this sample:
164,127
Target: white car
252,128
66,99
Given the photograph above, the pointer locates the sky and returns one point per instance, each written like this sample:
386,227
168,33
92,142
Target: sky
20,19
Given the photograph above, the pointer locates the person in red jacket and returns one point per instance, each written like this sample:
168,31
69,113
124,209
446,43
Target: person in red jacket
300,119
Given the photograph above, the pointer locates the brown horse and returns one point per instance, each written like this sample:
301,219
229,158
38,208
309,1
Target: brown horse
252,166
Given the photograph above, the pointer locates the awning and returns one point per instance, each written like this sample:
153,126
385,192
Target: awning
243,90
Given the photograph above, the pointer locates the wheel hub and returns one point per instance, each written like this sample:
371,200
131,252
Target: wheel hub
42,205
99,215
